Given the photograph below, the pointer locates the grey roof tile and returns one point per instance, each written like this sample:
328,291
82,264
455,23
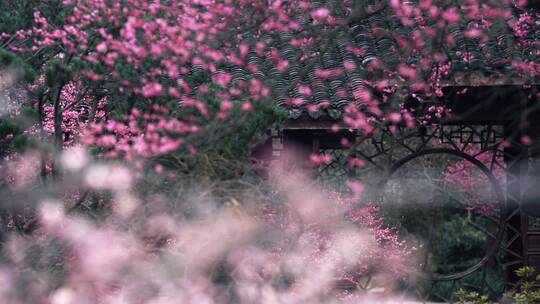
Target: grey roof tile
487,59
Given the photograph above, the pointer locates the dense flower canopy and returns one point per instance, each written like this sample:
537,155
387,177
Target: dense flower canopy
101,100
204,59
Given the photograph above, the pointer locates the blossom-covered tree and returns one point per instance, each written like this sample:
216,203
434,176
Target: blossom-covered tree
180,90
203,60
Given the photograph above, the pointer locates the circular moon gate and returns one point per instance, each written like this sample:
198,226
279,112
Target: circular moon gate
388,152
493,240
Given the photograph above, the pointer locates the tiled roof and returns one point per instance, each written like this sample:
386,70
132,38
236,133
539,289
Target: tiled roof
489,62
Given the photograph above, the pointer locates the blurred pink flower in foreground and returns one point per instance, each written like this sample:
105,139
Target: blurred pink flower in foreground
293,250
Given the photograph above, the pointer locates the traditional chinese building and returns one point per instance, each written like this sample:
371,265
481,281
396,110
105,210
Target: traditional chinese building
494,127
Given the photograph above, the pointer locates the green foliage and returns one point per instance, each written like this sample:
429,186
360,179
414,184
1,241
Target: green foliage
228,157
12,130
198,77
525,272
525,294
16,14
11,62
257,122
19,14
471,297
20,141
8,126
57,74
